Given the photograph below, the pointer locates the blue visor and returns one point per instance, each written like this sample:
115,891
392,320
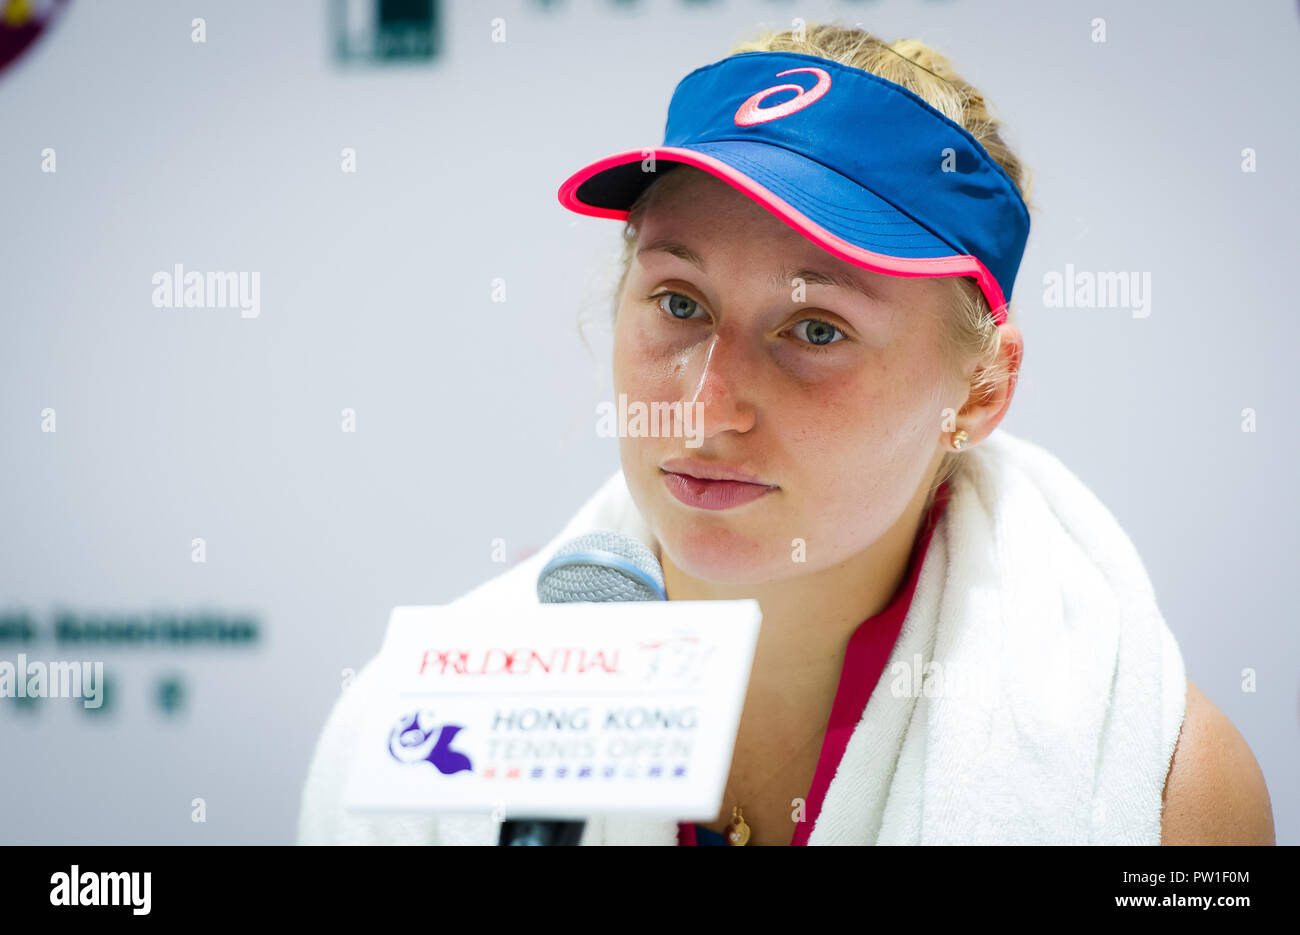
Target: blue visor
861,166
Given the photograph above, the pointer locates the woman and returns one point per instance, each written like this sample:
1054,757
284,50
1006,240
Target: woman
820,259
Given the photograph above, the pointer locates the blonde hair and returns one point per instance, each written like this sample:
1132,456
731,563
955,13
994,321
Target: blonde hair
970,335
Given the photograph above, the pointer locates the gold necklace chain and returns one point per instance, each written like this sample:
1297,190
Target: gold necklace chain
738,830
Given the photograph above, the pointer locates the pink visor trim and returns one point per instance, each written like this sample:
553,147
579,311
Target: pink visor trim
956,265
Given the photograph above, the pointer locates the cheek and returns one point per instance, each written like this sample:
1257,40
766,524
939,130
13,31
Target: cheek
871,430
645,367
639,377
626,360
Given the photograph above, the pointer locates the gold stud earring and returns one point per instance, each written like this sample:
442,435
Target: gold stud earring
960,439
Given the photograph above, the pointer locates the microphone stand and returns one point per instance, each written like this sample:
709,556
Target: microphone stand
540,832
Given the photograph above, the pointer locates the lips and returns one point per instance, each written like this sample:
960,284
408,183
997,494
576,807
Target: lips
712,486
710,470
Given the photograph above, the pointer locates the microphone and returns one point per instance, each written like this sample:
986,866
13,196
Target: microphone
603,565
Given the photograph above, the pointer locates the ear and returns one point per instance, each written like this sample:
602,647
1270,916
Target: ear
984,410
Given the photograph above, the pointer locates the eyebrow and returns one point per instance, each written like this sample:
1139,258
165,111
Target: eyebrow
783,277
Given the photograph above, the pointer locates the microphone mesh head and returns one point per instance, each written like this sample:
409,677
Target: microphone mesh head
572,577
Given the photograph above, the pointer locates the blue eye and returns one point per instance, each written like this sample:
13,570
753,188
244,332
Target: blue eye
679,306
818,332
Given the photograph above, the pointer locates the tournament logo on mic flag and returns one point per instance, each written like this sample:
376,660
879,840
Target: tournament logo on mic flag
417,738
559,709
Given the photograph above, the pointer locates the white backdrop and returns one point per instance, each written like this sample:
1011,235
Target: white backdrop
475,418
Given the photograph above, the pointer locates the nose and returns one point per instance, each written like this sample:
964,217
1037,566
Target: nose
723,373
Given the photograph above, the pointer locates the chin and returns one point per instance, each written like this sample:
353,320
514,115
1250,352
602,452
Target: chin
735,546
714,548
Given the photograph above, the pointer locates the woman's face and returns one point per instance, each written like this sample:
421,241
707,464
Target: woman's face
833,398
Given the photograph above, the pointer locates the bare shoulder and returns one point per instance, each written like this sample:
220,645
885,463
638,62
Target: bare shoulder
1215,791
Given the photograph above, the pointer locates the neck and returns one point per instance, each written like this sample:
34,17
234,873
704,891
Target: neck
808,619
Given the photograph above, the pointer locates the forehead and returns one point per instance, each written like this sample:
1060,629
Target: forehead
689,198
702,220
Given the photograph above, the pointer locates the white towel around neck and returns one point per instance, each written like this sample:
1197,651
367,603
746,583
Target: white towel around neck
1029,587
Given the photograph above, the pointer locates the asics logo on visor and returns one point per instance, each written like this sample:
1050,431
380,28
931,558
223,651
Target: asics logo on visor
751,113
